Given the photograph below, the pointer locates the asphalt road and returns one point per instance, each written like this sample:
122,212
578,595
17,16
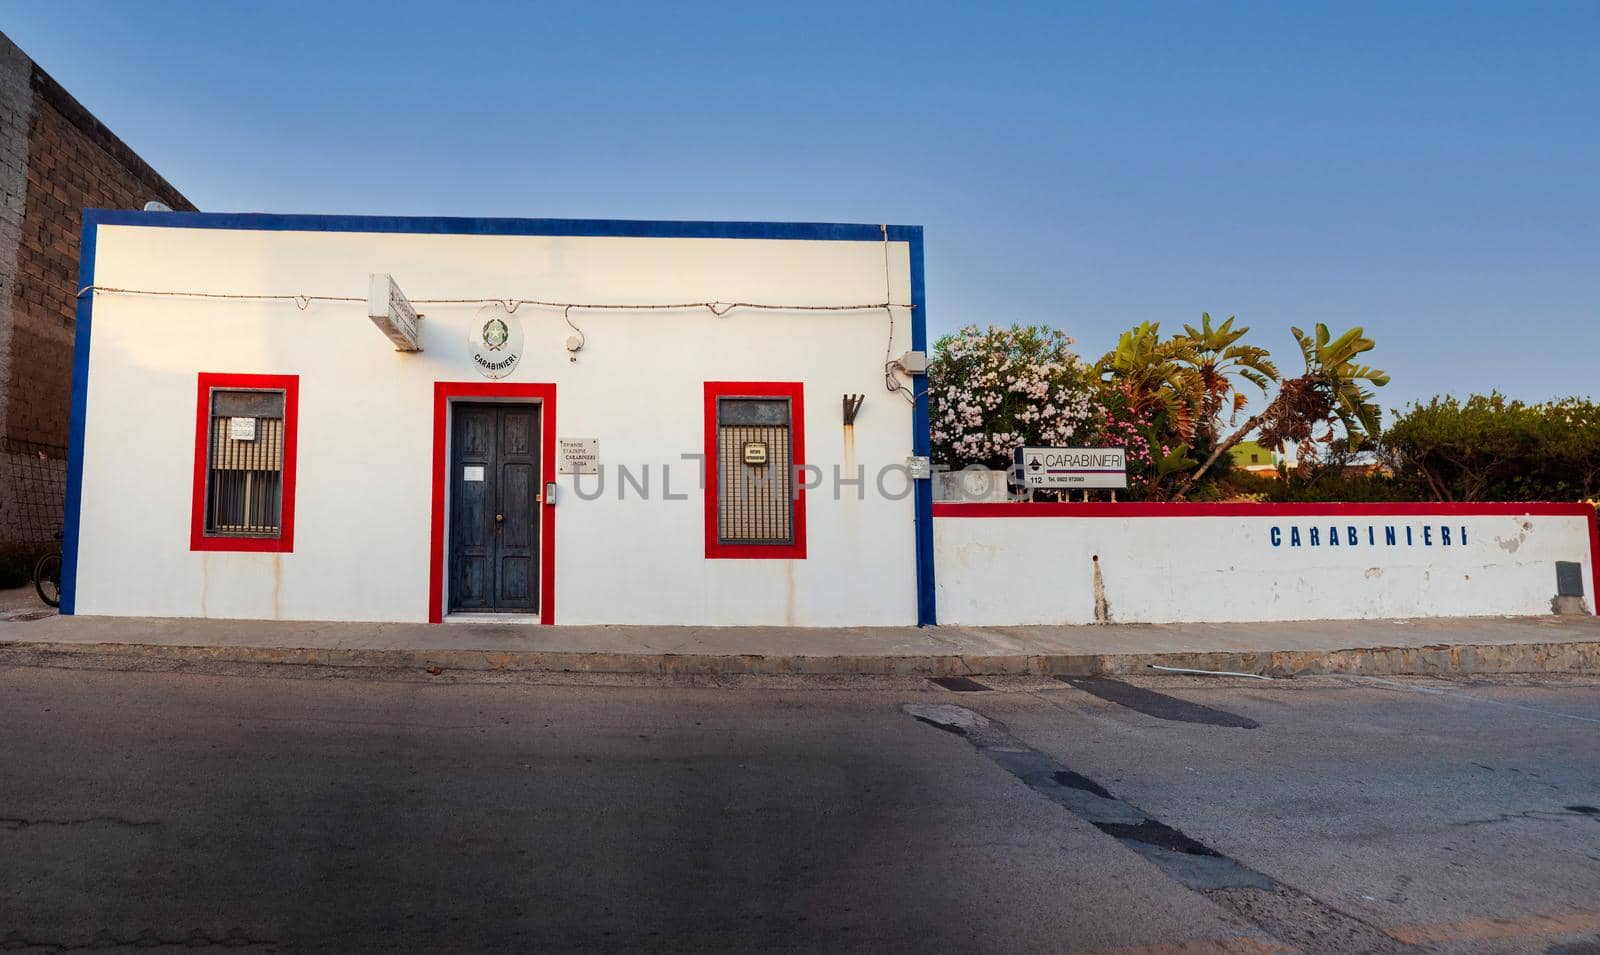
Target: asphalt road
266,808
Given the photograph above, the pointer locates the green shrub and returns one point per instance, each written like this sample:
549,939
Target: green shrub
1490,447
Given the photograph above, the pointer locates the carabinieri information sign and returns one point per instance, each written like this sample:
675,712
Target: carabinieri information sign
1071,467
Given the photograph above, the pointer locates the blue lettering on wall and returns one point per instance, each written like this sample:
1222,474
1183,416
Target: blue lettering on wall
1350,535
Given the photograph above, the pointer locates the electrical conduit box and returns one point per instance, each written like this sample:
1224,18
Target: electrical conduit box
913,363
1569,578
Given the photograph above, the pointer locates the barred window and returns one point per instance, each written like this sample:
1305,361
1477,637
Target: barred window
244,492
756,504
244,462
755,455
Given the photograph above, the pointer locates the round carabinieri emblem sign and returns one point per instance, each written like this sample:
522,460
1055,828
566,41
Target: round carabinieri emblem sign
495,337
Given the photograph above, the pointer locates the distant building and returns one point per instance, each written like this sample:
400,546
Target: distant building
1255,458
55,160
1366,469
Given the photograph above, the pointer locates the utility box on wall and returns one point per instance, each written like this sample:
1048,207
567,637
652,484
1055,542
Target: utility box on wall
1569,578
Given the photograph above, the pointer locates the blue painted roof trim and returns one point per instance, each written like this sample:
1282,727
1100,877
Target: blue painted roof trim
447,225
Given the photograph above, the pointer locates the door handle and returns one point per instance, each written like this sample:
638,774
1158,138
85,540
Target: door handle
499,517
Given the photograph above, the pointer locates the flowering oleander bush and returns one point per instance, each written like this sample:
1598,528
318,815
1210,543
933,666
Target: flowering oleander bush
1120,423
1173,404
993,390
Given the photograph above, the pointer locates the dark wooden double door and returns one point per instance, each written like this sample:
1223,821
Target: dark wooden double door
495,489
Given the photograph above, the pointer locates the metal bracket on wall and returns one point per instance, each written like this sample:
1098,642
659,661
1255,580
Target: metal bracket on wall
852,404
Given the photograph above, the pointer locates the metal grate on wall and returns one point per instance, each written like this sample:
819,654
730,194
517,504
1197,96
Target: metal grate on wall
755,501
244,486
33,487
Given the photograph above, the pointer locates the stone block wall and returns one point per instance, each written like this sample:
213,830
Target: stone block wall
56,160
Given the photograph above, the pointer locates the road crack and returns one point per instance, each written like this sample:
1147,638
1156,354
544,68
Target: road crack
104,939
15,823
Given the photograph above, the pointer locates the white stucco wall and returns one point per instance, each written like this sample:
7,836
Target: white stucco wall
998,571
365,468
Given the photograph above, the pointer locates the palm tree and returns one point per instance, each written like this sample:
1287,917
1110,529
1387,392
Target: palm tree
1333,388
1149,372
1211,358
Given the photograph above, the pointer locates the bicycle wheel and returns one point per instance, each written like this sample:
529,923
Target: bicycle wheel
47,579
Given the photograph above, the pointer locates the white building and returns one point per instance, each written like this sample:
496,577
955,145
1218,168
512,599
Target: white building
245,443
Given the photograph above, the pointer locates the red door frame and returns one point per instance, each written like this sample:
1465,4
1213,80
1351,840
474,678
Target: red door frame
545,394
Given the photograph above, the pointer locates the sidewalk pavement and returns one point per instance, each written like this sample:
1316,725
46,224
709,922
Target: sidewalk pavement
1438,646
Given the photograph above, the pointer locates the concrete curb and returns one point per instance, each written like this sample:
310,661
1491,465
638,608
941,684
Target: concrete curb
1442,659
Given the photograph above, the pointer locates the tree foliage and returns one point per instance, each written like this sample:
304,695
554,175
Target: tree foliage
1174,404
1333,391
1167,401
993,390
1490,447
1120,422
1213,363
1184,389
1146,372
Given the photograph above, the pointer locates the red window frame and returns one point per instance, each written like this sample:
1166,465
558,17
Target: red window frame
209,382
794,391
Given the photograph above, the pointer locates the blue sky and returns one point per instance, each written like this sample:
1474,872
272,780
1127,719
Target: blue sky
1428,170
